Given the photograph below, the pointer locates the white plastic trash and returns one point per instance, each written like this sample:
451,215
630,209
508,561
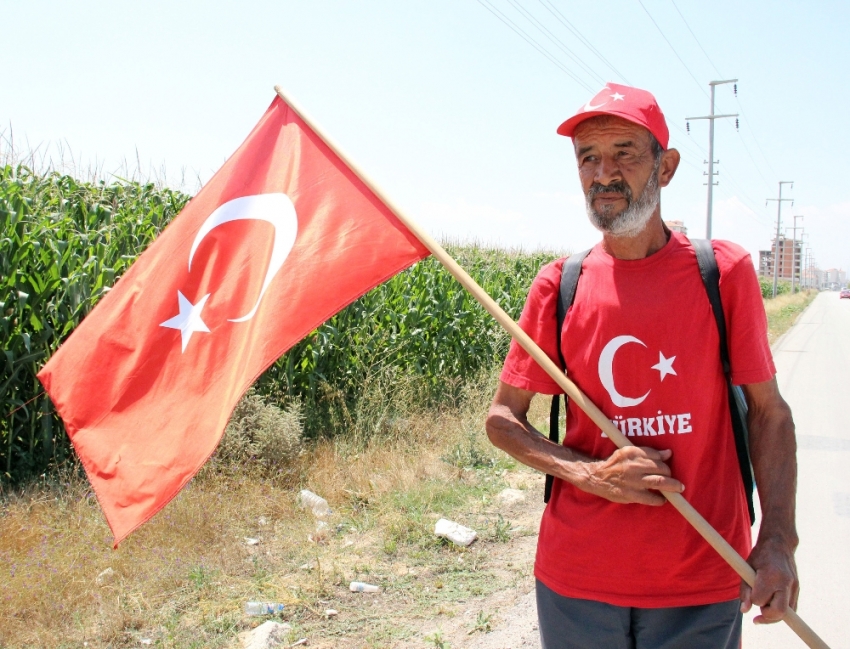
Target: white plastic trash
315,503
360,587
263,608
454,532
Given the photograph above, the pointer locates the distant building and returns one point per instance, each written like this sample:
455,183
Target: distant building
812,278
677,226
789,257
834,278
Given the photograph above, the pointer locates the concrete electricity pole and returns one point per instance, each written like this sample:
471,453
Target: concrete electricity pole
711,117
778,229
794,251
811,267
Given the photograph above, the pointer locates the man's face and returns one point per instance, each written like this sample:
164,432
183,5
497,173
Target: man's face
618,173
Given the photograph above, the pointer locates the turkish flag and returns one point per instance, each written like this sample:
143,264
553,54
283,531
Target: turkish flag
280,239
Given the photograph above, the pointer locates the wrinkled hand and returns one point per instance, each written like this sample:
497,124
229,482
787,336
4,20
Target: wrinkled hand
634,474
776,588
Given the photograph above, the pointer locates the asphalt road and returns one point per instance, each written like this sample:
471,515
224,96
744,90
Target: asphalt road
813,370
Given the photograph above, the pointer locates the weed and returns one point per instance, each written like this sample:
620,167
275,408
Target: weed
501,530
199,576
437,640
482,623
469,454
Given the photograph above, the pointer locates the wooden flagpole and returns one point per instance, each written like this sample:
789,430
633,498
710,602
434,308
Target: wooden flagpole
571,389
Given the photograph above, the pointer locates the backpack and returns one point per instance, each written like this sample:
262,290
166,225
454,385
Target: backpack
710,274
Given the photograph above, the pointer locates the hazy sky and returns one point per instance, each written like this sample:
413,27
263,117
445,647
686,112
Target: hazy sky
447,107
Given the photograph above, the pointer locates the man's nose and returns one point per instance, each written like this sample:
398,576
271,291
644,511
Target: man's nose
607,171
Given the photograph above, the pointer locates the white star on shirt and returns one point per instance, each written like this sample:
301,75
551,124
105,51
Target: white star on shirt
618,97
188,320
665,366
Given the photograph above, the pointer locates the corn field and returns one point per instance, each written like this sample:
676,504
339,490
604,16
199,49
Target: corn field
64,244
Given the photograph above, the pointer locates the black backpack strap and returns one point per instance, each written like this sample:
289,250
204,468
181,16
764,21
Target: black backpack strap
737,404
570,273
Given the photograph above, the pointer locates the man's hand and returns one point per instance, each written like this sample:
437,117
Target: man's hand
632,475
776,588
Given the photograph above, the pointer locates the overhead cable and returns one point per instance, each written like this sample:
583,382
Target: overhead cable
533,43
719,73
566,23
557,41
696,81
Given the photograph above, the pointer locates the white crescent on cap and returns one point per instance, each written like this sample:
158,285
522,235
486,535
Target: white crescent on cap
588,106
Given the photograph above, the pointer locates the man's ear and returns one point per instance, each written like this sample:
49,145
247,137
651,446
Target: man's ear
669,163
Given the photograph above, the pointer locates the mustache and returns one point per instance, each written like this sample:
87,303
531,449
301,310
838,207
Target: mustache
616,186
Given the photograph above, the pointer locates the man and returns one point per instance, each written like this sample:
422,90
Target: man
616,566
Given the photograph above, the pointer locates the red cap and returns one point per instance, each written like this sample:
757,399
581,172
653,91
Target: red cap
633,104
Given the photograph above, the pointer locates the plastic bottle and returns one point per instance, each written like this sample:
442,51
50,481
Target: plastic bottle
360,587
318,505
263,608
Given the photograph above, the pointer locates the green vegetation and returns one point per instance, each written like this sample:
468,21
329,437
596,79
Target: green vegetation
783,287
783,310
65,243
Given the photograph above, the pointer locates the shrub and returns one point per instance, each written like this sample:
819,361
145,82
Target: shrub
262,435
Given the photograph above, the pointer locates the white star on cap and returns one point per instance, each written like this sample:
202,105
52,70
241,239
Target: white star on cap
188,320
665,366
618,97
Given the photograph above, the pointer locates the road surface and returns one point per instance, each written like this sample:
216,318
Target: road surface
813,370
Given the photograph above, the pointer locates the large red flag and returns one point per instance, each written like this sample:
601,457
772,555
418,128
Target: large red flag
280,239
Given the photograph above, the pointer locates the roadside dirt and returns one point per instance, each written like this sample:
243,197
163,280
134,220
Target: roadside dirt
512,621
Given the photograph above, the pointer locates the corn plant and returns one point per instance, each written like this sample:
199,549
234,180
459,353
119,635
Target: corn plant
64,243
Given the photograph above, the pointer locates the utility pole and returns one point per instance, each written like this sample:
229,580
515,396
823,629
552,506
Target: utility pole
794,251
778,229
711,117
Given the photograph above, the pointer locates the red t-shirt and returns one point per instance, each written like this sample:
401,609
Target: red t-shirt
641,342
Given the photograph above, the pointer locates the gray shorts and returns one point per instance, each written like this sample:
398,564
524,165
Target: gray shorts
567,623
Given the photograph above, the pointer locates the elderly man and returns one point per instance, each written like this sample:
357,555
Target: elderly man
617,567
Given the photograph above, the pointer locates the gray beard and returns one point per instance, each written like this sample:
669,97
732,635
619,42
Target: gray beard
634,218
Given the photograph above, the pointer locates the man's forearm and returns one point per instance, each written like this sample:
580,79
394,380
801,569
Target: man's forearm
630,475
773,449
518,438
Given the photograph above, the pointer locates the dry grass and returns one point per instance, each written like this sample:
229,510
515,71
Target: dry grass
783,310
182,579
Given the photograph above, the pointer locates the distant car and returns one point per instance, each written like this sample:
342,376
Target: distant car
845,292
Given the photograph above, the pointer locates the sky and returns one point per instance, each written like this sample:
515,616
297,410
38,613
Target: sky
451,106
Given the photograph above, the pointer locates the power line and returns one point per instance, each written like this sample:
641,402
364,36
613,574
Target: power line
745,199
557,41
755,139
740,106
702,90
749,211
755,164
695,38
566,23
533,43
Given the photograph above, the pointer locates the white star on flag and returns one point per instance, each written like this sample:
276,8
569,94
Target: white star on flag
665,366
618,97
188,320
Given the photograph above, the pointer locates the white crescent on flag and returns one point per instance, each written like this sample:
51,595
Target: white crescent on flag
275,208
